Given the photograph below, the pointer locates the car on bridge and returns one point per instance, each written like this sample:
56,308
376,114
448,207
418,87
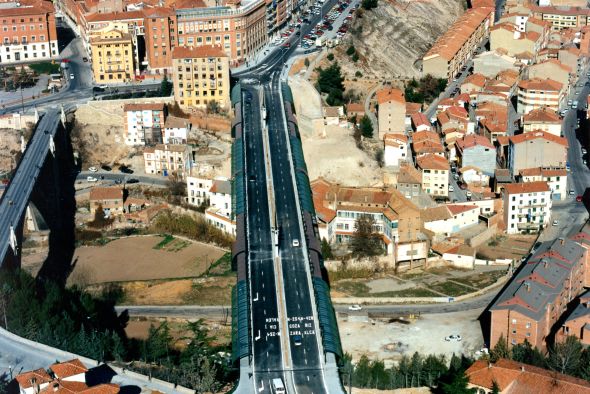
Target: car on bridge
91,179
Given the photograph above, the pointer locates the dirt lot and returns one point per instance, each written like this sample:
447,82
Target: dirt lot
507,247
389,341
140,258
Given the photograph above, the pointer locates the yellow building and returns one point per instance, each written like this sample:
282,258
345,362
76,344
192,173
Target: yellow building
112,56
201,76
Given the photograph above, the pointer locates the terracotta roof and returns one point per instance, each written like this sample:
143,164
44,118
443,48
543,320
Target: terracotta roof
36,8
170,148
457,209
542,115
395,136
526,187
183,4
471,140
428,146
517,378
412,108
390,94
114,16
355,107
544,172
72,367
562,10
540,84
475,79
39,375
520,138
434,214
105,193
432,162
556,62
425,135
143,107
197,52
419,119
409,174
174,122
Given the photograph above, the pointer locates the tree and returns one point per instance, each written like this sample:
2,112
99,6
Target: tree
379,157
306,62
351,50
365,241
165,87
158,342
326,249
355,57
176,186
525,353
501,350
369,4
213,107
330,56
565,357
458,385
495,388
366,127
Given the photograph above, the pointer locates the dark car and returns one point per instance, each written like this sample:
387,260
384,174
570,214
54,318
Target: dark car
118,181
297,340
579,198
252,178
132,180
98,89
106,168
125,170
84,59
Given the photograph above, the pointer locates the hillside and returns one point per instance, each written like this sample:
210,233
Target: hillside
392,38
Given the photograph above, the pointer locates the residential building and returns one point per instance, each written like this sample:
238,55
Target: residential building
110,199
537,149
176,130
112,56
395,149
409,180
556,178
392,111
72,371
144,123
490,63
577,323
397,219
159,38
355,110
537,93
216,195
28,32
538,294
425,143
562,17
201,77
474,176
511,377
527,206
492,118
515,42
239,28
551,69
542,119
435,175
453,123
450,218
32,382
420,122
198,190
454,48
474,83
166,160
477,151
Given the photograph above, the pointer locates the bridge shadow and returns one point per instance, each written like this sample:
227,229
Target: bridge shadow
54,196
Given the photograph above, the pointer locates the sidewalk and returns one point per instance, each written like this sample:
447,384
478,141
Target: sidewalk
12,98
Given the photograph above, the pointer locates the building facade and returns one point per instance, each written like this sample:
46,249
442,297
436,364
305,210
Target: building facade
392,111
476,151
542,119
556,178
537,93
435,175
201,77
166,160
527,207
537,149
395,149
112,57
144,123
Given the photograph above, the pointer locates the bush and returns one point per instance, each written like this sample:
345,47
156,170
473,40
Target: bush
330,56
192,227
369,4
366,127
45,68
358,74
355,57
351,50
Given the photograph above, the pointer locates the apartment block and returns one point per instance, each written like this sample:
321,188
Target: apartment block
112,56
551,69
397,219
527,206
515,42
562,17
538,294
159,37
426,143
167,160
144,123
216,195
537,93
455,47
395,149
449,219
556,178
392,111
542,119
476,151
435,175
420,122
490,63
537,149
176,130
28,32
201,77
409,180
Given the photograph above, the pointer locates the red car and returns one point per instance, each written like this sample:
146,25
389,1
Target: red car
579,198
287,45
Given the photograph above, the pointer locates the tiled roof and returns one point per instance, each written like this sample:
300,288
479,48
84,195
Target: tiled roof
419,119
355,107
114,16
39,375
546,85
520,138
409,174
412,108
143,107
544,172
174,122
548,62
170,148
425,135
472,140
69,368
526,187
390,94
98,193
37,8
435,214
475,79
197,52
395,136
541,115
428,146
517,378
457,209
432,162
581,311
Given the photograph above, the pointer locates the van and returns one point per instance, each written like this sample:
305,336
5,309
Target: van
278,387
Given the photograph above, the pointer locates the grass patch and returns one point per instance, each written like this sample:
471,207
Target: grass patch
413,292
354,289
450,288
221,267
45,68
357,289
209,294
481,280
346,273
167,239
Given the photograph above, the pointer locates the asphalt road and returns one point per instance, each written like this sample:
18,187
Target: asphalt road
112,176
16,197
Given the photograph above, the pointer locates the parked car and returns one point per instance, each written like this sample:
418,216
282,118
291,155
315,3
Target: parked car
72,76
451,188
297,339
92,169
84,59
132,180
453,337
295,243
125,170
106,168
91,179
355,307
579,198
555,223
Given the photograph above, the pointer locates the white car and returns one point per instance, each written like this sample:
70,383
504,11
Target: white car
584,151
555,223
92,169
72,76
91,179
355,307
453,337
451,188
295,243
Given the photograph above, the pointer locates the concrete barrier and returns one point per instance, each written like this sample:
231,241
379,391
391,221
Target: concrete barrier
63,355
388,300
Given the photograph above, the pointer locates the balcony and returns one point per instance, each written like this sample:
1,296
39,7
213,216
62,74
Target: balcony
533,205
529,226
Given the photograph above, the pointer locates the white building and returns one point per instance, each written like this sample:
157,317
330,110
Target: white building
216,194
395,149
72,370
166,159
556,178
144,123
527,206
198,190
449,219
176,130
538,93
435,175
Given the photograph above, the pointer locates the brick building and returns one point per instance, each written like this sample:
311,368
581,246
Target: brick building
28,32
109,198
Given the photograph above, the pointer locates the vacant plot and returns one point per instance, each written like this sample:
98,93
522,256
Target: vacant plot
142,258
506,247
